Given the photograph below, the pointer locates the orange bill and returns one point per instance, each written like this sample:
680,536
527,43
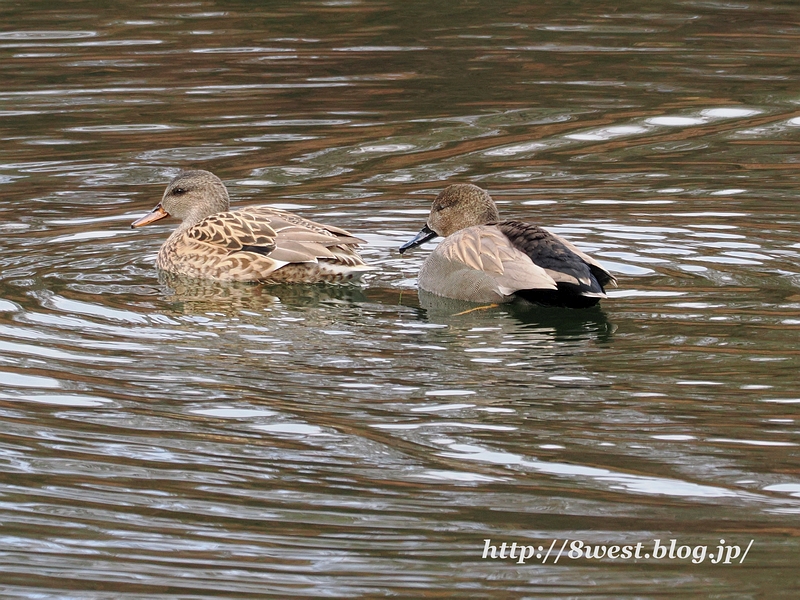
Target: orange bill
156,214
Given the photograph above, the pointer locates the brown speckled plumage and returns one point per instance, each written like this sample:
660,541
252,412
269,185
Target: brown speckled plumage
256,243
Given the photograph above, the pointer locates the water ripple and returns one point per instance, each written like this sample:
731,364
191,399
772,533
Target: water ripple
205,438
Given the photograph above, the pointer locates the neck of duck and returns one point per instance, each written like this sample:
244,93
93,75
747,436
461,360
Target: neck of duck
216,203
196,215
490,215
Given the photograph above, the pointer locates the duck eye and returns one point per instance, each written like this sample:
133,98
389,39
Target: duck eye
179,191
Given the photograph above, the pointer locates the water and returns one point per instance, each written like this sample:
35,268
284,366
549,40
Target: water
172,440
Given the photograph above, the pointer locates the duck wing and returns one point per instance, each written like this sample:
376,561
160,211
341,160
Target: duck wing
281,236
290,222
233,231
599,271
300,236
569,267
478,264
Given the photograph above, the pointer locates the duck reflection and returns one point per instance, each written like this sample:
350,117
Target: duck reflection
564,323
195,295
199,296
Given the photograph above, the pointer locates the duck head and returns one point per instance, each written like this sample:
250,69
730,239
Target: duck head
190,197
457,207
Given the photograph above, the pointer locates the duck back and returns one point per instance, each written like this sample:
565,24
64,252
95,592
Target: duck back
578,277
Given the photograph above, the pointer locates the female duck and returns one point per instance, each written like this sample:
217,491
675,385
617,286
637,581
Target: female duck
484,259
257,243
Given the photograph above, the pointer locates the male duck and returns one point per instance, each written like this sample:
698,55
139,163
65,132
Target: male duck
257,243
484,259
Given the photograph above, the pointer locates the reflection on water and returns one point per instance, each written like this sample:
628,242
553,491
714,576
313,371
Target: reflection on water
190,295
559,324
174,438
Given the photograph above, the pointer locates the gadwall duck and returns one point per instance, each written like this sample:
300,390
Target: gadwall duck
256,243
484,259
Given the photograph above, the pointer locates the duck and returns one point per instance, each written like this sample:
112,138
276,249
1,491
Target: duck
485,259
250,244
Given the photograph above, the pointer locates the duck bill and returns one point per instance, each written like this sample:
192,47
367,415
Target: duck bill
423,236
156,214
